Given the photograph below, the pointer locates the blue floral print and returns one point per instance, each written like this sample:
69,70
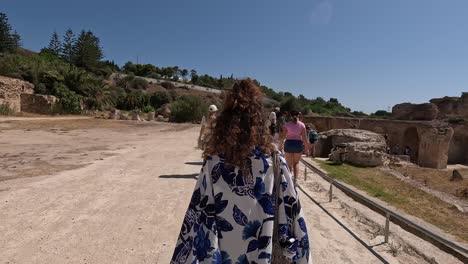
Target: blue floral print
230,217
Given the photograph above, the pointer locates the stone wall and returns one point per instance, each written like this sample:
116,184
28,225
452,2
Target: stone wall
407,111
37,103
11,91
438,108
428,141
458,151
452,106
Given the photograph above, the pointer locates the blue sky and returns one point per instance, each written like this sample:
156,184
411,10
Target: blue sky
370,54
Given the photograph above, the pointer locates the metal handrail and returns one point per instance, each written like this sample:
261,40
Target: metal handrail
442,243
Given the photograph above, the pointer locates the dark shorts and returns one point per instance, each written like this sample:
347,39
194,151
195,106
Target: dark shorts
293,146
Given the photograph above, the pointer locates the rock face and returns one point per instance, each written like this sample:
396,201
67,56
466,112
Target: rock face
407,111
452,106
150,116
438,108
136,116
123,116
37,103
11,91
165,111
114,114
355,146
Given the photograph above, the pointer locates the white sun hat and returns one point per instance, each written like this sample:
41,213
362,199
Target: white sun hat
213,108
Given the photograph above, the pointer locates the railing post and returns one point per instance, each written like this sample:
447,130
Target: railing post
387,227
330,198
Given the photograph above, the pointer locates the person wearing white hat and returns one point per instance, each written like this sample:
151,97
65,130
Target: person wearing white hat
273,125
207,124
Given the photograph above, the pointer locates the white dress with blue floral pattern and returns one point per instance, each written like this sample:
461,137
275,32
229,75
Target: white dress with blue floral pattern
230,218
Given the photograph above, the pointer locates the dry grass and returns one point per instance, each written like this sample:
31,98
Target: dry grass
435,179
403,196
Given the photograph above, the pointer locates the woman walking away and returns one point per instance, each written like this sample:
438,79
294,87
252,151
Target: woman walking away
232,213
296,142
207,126
312,136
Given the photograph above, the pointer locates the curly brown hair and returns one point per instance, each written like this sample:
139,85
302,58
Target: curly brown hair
241,126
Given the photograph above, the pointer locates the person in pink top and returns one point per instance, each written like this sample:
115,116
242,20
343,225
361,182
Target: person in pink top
294,142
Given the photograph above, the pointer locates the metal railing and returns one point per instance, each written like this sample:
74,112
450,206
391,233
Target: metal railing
391,216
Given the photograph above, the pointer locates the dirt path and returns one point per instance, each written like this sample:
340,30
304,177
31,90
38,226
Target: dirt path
126,207
20,118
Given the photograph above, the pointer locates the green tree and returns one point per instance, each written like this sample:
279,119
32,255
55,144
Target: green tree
194,76
54,45
290,104
175,72
88,52
16,39
68,45
184,74
9,41
381,114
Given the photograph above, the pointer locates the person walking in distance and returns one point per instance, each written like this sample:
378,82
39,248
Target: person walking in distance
273,125
235,207
313,137
294,142
207,125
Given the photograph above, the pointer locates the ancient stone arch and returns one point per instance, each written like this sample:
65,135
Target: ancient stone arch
411,139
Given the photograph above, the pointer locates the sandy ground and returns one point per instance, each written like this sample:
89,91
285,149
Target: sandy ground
117,193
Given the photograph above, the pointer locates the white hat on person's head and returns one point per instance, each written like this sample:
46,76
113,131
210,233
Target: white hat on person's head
212,108
277,109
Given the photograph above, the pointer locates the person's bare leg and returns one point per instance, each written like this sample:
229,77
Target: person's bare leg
296,159
313,150
290,160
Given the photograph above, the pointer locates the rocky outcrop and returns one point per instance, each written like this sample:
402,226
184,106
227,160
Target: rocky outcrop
407,111
150,116
11,90
114,114
136,116
354,146
165,111
452,106
38,103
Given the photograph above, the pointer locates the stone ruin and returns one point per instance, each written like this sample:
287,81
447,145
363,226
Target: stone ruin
354,146
438,108
429,141
426,129
116,114
20,97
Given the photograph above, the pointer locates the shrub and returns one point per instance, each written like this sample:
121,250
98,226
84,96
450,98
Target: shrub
174,95
168,85
290,104
381,114
456,120
160,98
148,109
69,101
138,84
132,100
5,109
187,108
